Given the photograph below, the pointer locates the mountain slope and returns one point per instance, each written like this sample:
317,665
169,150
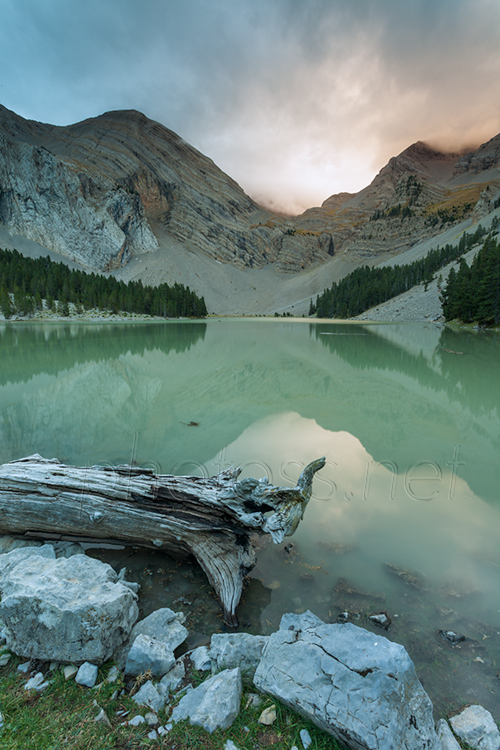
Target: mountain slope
121,193
101,190
417,195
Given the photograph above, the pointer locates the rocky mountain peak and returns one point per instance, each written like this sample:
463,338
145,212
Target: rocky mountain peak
120,185
483,159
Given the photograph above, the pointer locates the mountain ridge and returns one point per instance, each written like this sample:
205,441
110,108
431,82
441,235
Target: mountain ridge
122,193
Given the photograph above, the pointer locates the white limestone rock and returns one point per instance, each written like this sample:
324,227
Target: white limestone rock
355,685
214,704
87,675
149,696
173,678
148,654
10,560
230,650
68,609
136,721
475,726
448,742
165,625
37,682
201,659
69,671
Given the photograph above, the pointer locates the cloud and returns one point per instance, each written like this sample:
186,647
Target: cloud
295,99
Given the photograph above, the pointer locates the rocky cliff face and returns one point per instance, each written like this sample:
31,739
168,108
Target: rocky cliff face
120,185
417,195
99,190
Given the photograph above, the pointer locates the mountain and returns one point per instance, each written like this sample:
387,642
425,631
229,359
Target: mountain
417,195
121,193
111,187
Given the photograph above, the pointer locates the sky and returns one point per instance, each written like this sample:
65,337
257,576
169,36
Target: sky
295,99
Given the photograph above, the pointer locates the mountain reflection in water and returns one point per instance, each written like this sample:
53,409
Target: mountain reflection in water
405,516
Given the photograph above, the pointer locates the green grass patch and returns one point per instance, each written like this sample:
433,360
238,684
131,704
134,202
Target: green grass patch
63,717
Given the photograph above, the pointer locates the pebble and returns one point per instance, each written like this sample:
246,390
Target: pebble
305,738
136,721
230,746
201,659
101,716
153,735
165,730
36,683
69,671
4,659
268,716
87,675
24,667
151,719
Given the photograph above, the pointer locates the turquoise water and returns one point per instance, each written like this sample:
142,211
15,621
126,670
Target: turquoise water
408,417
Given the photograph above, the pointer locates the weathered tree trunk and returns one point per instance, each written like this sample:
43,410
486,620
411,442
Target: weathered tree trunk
211,519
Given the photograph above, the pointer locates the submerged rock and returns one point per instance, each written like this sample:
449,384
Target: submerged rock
410,577
451,636
381,619
355,685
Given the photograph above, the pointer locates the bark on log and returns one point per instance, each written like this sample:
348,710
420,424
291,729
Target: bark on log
211,519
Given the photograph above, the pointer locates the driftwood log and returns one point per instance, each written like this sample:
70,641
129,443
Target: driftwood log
211,519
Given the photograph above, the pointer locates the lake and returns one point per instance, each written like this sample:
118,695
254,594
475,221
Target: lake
405,516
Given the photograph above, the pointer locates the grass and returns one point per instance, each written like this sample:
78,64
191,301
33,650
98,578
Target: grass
63,716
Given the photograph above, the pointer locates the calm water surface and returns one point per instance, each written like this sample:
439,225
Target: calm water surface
405,517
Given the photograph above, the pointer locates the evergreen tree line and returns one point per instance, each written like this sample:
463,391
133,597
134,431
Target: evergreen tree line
33,350
366,287
472,293
25,282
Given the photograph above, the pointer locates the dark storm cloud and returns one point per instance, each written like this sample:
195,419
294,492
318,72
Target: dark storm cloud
296,99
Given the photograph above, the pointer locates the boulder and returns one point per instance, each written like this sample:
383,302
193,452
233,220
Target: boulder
215,704
165,625
230,650
68,609
357,686
149,654
475,726
18,555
